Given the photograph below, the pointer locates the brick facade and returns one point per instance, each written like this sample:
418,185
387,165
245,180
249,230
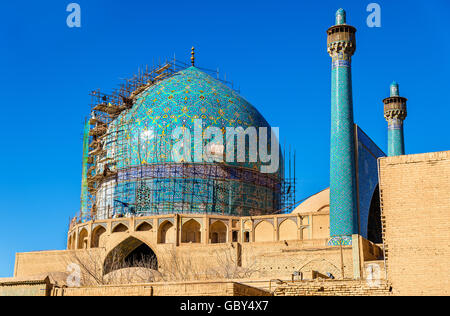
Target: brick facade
333,288
211,288
415,198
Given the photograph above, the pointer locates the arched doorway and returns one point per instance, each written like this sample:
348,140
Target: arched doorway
131,253
96,236
83,239
191,232
166,233
374,229
218,233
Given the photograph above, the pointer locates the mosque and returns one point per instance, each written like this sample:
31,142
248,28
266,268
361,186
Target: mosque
227,225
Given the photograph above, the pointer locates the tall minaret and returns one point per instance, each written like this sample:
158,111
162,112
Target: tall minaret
395,114
343,195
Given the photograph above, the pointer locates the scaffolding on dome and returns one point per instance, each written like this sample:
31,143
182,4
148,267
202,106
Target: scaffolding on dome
111,189
289,184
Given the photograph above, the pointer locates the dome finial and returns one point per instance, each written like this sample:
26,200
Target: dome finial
193,56
395,90
341,17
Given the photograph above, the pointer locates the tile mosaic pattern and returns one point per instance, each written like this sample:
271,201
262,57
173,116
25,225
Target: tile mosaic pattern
341,240
341,16
396,142
169,188
139,142
394,90
178,101
343,201
368,153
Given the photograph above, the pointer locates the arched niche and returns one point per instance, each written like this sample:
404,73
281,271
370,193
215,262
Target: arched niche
130,253
374,228
97,235
83,239
144,227
218,232
120,228
288,230
264,232
71,244
191,232
166,233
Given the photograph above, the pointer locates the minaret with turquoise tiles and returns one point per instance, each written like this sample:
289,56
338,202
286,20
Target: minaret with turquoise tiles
395,113
343,194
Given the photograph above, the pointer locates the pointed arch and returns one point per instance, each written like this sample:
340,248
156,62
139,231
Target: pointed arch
264,232
83,239
191,232
218,232
144,227
288,230
374,228
71,244
166,233
120,228
131,252
97,236
326,266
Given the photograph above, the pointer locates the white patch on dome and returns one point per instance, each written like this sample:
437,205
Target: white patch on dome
147,135
105,199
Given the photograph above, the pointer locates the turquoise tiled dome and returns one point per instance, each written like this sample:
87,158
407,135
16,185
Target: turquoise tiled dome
177,101
139,148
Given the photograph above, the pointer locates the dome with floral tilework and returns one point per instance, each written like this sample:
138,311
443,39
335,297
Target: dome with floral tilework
149,181
175,102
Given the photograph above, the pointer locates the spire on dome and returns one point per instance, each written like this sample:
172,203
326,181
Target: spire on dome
340,17
193,56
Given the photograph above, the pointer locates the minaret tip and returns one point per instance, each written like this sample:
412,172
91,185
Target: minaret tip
395,90
193,56
341,17
395,113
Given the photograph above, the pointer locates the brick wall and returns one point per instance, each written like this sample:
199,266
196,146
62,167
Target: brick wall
45,262
332,288
259,260
279,260
24,289
210,288
37,286
415,198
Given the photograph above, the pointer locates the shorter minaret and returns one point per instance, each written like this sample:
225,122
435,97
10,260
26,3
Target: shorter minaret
395,113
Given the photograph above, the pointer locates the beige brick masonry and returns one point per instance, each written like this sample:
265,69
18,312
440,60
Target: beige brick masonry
333,288
415,198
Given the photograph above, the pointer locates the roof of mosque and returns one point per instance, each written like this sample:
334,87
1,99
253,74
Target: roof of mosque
192,94
178,101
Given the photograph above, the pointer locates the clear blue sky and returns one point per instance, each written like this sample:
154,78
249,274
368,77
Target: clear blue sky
274,50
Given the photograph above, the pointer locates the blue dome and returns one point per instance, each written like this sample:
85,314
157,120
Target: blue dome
148,181
175,102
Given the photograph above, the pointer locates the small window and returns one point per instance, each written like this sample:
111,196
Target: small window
235,236
247,237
